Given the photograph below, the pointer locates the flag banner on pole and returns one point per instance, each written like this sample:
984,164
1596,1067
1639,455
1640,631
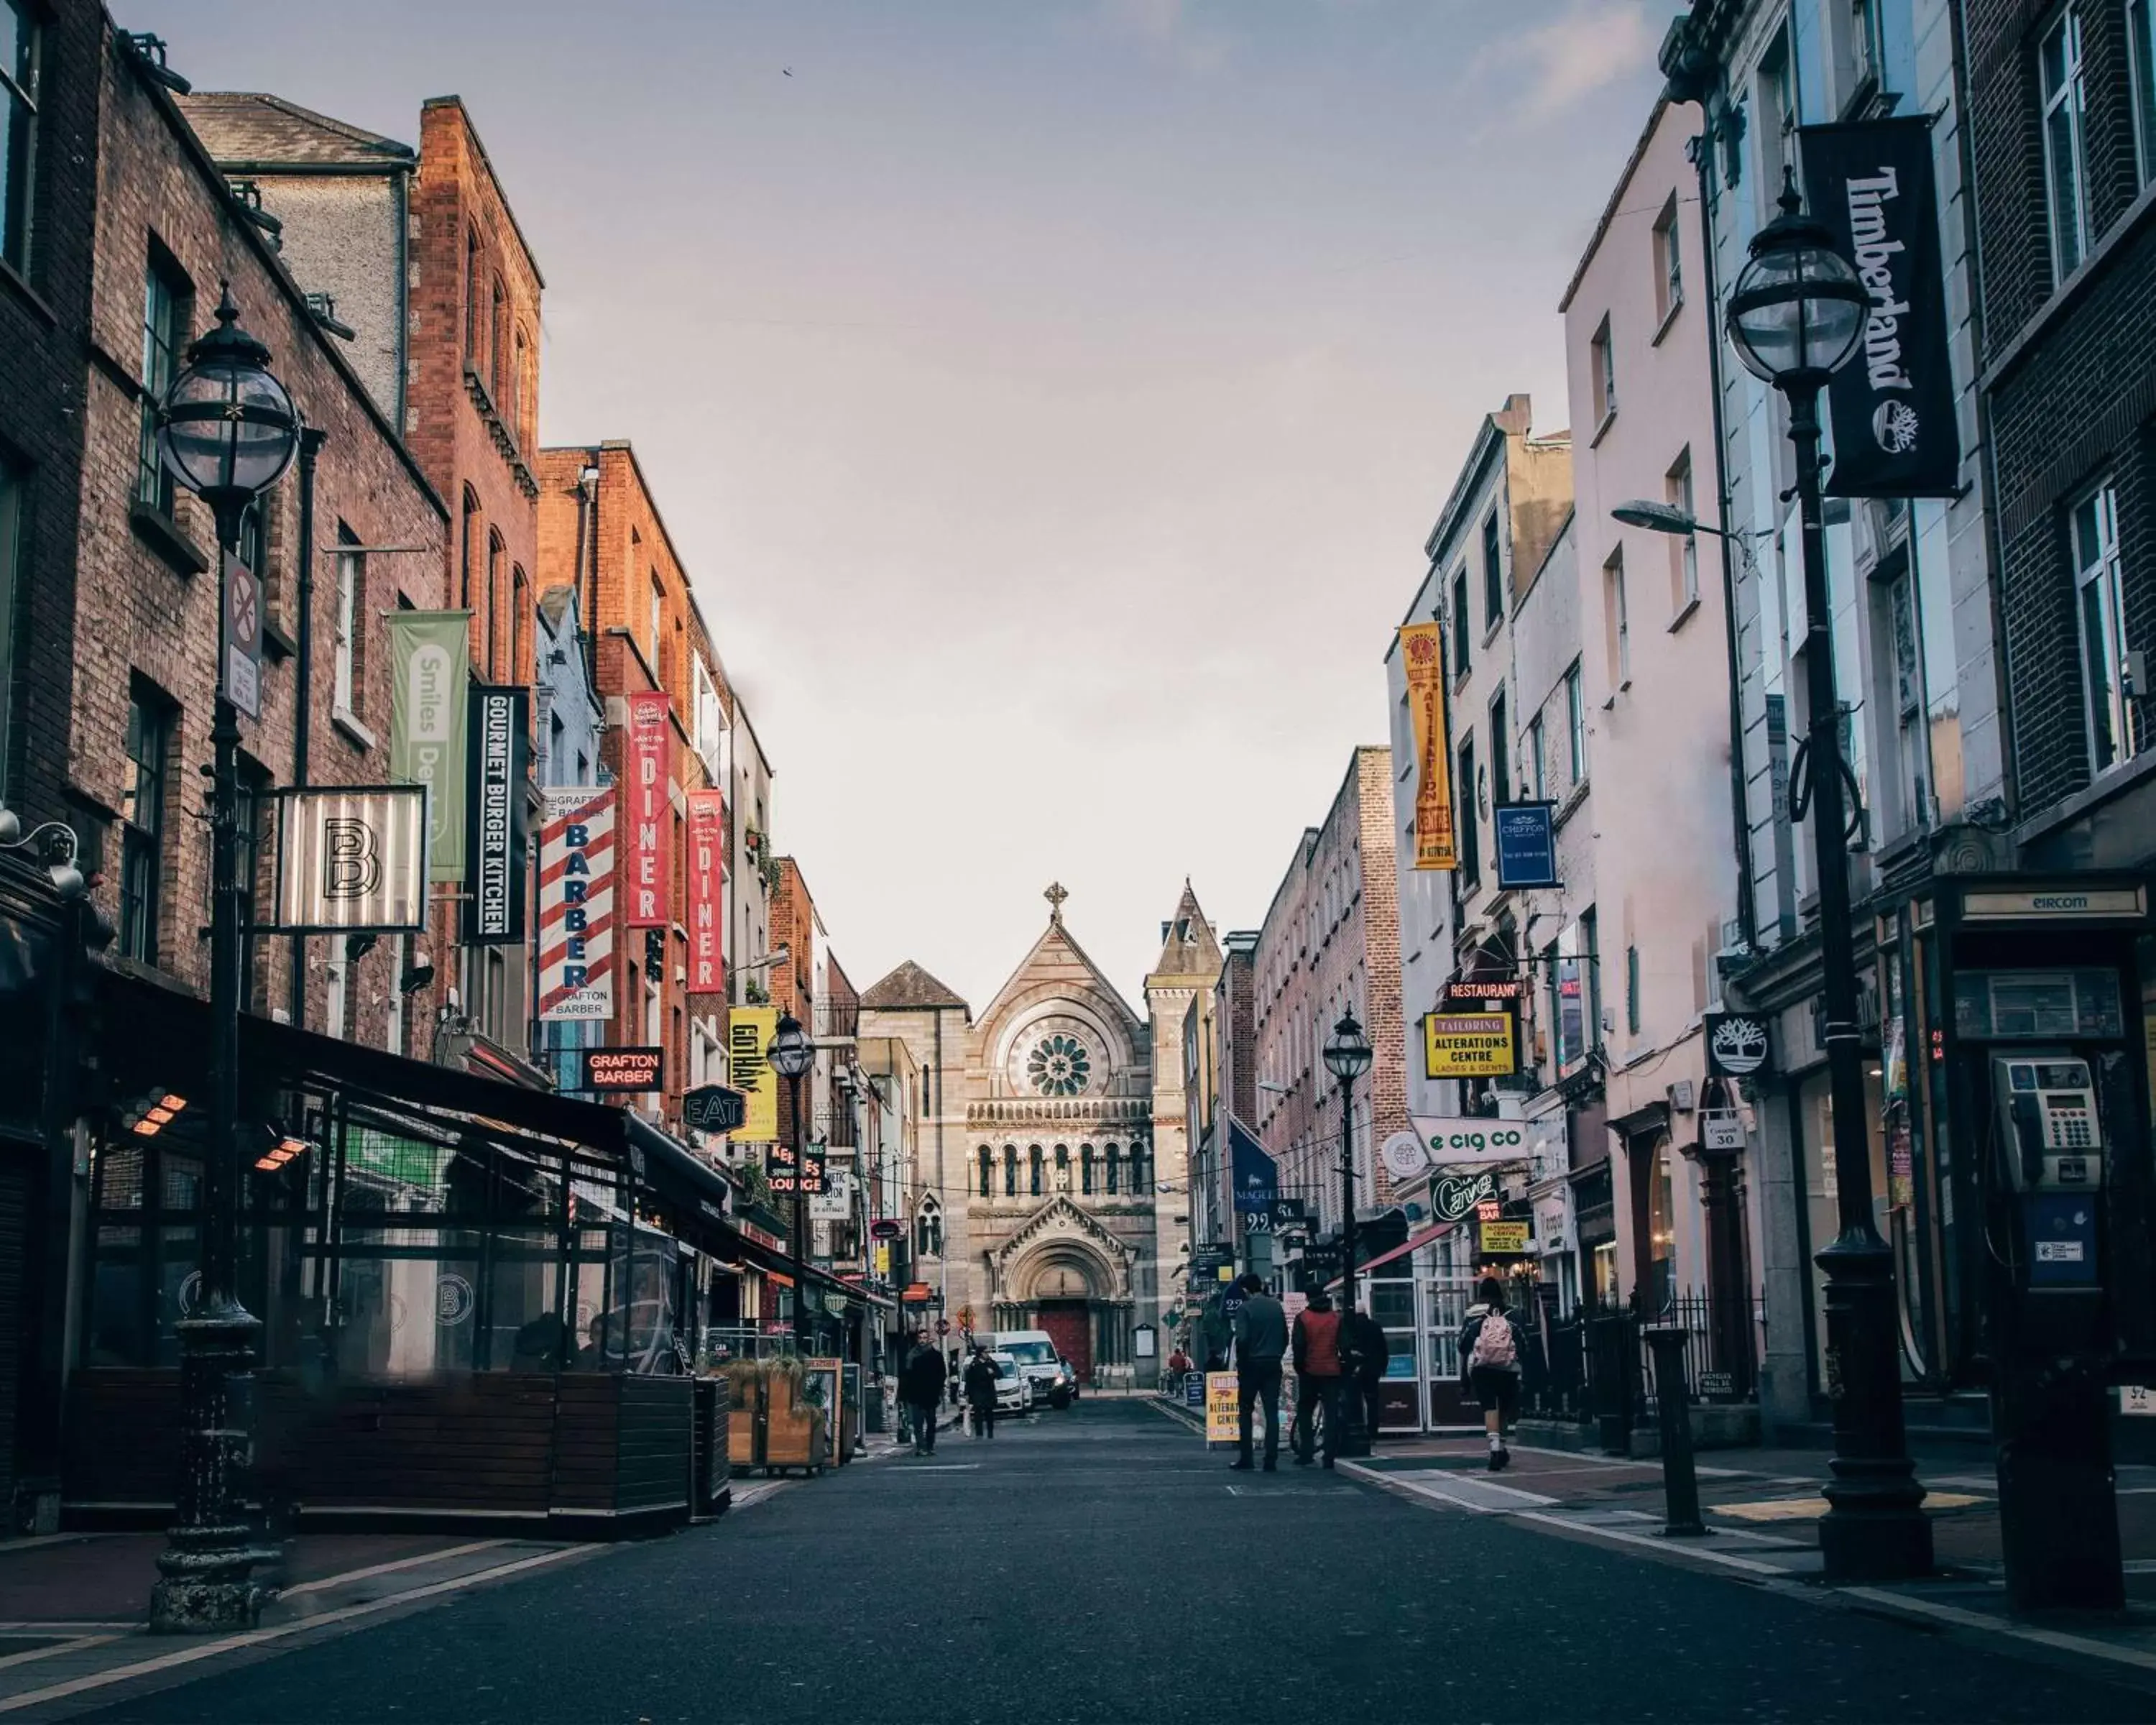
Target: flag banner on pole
576,903
707,846
498,845
648,811
1422,651
428,661
1892,405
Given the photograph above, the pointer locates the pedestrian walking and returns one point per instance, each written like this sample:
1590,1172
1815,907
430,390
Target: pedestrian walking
1319,1378
1491,1346
921,1386
1369,1353
980,1380
1260,1344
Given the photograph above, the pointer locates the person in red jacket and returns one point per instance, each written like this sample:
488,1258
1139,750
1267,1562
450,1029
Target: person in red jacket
1317,1375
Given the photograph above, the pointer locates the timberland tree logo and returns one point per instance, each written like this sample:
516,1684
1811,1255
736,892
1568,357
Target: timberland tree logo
1736,1043
1894,427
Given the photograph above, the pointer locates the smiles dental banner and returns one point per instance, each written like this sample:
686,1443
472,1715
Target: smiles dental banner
428,662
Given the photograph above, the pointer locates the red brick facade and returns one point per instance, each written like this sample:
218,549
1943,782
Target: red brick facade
146,610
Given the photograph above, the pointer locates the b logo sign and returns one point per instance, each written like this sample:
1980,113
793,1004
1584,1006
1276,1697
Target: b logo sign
351,867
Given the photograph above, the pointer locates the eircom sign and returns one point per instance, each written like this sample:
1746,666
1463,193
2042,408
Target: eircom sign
1452,1141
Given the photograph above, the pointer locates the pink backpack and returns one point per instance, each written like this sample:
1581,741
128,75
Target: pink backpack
1494,1345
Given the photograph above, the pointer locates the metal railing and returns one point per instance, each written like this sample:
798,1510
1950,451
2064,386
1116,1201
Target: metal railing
1596,1367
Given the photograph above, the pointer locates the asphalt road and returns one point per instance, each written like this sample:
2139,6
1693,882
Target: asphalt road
1101,1565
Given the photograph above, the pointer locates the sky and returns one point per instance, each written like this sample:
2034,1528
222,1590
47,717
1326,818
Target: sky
1050,399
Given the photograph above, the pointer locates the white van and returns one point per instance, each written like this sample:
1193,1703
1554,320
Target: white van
1034,1351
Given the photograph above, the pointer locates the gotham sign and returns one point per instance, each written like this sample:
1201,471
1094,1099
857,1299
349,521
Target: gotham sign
1892,405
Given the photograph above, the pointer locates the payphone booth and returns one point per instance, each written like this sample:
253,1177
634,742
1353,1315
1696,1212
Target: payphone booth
2039,1042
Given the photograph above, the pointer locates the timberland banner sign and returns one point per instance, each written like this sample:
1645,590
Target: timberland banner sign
1892,405
428,663
1422,652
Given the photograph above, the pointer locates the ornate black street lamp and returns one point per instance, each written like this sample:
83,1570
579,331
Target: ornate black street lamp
1795,315
227,431
1348,1058
791,1055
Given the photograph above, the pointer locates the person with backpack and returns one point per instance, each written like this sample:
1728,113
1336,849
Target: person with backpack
1490,1347
1318,1376
1368,1354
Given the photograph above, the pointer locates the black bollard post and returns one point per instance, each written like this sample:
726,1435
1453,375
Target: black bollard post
1679,1478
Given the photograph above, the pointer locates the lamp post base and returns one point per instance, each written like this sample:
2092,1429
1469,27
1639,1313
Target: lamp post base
205,1574
1875,1528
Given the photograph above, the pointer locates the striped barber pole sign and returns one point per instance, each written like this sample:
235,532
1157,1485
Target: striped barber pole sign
576,903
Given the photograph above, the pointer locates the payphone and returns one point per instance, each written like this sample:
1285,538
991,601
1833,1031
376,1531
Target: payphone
2051,1148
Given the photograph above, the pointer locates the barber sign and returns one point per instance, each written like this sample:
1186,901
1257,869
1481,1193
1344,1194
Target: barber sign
576,903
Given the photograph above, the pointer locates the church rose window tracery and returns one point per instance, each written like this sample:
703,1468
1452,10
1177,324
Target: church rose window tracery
1060,1065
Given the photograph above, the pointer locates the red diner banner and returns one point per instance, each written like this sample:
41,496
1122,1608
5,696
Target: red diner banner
707,845
646,811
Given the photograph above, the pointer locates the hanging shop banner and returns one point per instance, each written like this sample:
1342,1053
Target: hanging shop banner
242,637
352,859
707,848
1256,1174
498,845
1526,844
1469,1045
1892,404
576,903
749,1031
614,1071
1456,1141
1422,651
1738,1044
647,810
429,658
1508,1240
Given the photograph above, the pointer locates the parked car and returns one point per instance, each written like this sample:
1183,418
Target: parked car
1014,1393
1046,1369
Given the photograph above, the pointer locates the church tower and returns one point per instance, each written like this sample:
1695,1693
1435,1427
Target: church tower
1179,1006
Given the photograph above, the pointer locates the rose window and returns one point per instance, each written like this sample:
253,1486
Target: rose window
1059,1066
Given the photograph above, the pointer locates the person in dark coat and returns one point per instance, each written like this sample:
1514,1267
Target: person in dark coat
1261,1343
921,1387
980,1381
1367,1353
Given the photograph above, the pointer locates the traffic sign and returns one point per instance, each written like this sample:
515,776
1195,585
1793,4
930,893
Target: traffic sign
942,1325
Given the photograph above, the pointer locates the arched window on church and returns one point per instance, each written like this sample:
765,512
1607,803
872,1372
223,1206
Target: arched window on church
1033,1167
1010,1171
1085,1169
928,1230
1062,1167
988,1160
1115,1167
1138,1183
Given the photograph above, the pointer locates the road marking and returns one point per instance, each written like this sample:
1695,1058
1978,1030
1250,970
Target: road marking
1478,1497
1681,1547
432,1557
255,1638
71,1644
1810,1509
2058,1638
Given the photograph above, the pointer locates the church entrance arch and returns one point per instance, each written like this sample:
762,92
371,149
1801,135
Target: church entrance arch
1062,1287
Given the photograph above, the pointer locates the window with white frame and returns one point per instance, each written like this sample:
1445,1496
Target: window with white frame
1538,761
2099,588
710,722
346,628
1603,368
2065,164
1575,722
1617,618
1684,547
2140,58
1669,260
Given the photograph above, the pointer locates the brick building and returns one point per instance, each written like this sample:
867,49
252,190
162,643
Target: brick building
601,536
168,229
2063,133
417,263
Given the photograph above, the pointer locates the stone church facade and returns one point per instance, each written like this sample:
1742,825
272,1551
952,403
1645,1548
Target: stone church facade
1051,1153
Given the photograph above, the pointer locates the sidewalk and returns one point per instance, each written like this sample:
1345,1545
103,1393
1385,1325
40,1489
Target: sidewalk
1762,1507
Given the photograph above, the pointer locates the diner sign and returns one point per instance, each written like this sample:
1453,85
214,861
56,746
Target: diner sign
647,810
707,871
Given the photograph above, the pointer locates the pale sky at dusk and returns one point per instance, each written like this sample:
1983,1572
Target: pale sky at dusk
1050,398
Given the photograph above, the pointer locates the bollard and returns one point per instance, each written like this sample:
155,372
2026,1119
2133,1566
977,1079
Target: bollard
1680,1479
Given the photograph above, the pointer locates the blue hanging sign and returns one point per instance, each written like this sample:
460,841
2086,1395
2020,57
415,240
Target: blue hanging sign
1526,844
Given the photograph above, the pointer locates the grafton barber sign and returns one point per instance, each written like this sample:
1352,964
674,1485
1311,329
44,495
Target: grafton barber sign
1892,405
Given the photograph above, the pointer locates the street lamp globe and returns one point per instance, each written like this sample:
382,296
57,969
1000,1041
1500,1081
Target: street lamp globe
227,429
1797,310
1347,1051
791,1053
